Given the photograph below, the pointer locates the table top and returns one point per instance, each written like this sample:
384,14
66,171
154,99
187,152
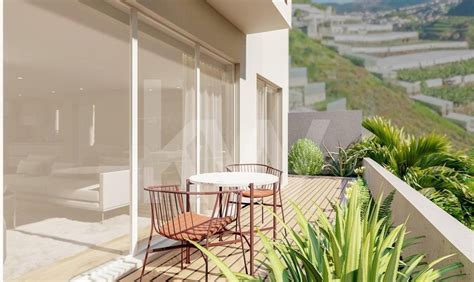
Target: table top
234,179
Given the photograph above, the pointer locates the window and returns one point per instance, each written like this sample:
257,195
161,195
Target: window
269,111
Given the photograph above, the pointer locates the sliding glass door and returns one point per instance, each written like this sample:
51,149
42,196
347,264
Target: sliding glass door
186,112
269,109
167,110
67,102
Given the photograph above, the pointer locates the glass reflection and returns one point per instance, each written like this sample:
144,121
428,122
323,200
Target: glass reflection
66,134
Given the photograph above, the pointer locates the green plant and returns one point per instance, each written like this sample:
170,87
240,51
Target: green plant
439,71
305,158
360,186
341,163
355,247
423,162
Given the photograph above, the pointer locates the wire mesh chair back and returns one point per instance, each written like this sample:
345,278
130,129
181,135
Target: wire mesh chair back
258,168
173,213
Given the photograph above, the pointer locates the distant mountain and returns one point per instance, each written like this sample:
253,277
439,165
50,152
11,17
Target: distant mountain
465,8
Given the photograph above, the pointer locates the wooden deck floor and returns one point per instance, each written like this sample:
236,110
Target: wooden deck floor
307,192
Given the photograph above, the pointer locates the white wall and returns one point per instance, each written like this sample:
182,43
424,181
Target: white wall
267,55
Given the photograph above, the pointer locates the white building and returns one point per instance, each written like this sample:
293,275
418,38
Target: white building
102,98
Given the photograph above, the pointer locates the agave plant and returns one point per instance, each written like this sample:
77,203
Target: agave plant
355,247
423,162
341,163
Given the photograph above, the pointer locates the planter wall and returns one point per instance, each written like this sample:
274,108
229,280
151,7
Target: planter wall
443,234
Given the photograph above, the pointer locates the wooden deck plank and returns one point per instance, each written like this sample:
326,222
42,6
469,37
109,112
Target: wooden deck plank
301,190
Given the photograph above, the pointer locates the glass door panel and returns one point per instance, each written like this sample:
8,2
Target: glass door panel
167,113
66,166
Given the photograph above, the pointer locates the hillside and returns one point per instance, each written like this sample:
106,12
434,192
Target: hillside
465,8
367,92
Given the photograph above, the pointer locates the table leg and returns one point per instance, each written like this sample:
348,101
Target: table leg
188,209
274,211
252,229
220,202
188,188
220,209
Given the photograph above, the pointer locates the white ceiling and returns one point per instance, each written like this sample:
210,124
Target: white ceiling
65,45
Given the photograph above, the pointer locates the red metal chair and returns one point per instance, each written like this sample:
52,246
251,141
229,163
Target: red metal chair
173,216
264,191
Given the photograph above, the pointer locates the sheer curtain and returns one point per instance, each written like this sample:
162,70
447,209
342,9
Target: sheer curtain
217,128
188,154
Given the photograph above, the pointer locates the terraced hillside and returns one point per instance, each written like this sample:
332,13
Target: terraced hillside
450,28
367,92
461,96
438,71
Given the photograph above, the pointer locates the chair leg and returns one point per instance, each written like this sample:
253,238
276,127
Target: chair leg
243,249
188,255
146,254
282,212
206,260
181,251
262,211
206,263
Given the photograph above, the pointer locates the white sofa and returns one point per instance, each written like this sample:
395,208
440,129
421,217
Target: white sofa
107,192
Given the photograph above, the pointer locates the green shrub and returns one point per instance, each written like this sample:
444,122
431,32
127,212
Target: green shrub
305,158
352,247
423,162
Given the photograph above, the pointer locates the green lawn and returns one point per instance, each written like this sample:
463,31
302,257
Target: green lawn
367,92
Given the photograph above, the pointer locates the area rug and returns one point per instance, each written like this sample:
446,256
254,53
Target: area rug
39,244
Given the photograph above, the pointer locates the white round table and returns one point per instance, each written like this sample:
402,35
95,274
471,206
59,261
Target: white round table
234,179
241,179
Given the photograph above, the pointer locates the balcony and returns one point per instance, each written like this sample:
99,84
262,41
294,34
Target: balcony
446,235
255,16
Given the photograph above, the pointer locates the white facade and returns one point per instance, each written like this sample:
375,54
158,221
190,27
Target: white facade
105,97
